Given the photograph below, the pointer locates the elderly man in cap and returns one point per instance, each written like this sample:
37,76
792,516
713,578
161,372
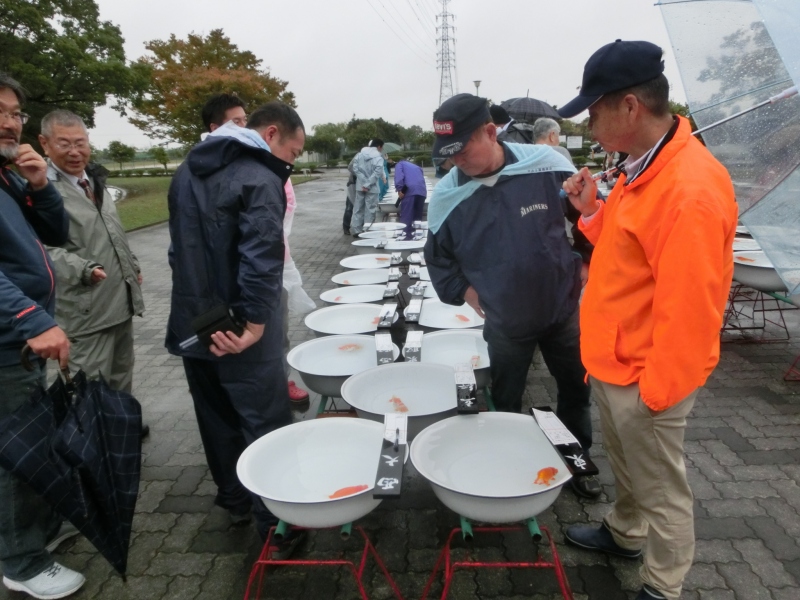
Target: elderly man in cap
652,309
497,242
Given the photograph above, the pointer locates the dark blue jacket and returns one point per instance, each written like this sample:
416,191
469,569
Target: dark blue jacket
27,283
509,242
226,208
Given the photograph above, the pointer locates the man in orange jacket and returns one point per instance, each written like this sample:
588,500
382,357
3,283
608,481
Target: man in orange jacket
653,306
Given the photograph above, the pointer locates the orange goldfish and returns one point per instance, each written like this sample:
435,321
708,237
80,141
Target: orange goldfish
350,347
376,320
337,298
476,360
398,405
346,281
745,259
463,318
348,491
381,258
546,475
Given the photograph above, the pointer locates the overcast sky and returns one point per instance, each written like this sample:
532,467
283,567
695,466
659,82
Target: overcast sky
376,58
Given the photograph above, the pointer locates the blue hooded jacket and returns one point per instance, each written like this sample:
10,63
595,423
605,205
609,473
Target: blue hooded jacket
508,241
27,284
226,209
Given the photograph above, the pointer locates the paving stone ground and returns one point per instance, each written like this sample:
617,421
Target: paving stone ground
742,454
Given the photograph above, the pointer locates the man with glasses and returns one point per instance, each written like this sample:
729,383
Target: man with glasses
97,276
31,212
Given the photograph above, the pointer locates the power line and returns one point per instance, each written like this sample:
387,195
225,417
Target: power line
424,26
397,27
423,59
408,28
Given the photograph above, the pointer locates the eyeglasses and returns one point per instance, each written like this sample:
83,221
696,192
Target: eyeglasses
19,117
65,146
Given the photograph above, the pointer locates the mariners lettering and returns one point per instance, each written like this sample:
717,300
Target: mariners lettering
529,209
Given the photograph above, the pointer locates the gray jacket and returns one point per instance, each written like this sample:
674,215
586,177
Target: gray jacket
96,239
368,167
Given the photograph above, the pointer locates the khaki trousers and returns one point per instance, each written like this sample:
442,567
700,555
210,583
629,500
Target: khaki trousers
654,503
109,351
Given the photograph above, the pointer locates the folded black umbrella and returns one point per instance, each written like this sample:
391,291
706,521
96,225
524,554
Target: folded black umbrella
77,445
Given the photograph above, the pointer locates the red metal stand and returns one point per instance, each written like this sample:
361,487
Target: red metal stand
449,567
264,560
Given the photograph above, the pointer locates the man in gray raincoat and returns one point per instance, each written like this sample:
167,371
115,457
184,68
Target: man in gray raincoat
97,276
368,167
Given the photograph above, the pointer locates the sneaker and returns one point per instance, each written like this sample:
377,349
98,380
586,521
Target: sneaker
587,487
597,538
56,581
286,548
66,531
648,593
297,394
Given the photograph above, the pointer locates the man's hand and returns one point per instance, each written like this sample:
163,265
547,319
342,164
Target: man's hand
471,298
400,195
584,274
54,344
582,192
230,343
364,189
32,167
98,275
139,277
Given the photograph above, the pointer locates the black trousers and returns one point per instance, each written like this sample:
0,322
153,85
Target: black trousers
236,403
560,345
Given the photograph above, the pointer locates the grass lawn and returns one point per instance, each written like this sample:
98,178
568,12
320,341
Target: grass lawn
146,202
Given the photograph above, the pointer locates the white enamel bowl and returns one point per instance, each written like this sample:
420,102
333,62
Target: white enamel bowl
354,293
367,261
426,391
436,314
755,270
325,363
484,466
361,277
344,319
296,469
405,247
384,226
388,208
745,245
383,234
456,346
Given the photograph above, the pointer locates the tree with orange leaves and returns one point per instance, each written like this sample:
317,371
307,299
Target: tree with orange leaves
184,73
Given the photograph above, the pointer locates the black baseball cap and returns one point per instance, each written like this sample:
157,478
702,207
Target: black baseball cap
613,67
455,120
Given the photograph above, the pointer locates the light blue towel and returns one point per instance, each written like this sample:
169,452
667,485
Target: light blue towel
249,137
531,158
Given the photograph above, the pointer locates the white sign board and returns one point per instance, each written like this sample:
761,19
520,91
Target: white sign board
574,142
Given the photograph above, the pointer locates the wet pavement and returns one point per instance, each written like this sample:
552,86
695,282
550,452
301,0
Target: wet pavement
742,451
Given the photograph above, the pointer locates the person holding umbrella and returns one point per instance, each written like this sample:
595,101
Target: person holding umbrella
653,306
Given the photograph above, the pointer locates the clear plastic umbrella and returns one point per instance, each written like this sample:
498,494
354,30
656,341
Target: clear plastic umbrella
733,55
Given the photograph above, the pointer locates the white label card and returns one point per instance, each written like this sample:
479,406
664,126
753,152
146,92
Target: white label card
553,428
383,342
395,428
464,374
414,339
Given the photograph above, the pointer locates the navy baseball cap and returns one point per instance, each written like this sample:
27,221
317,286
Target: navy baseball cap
455,121
613,67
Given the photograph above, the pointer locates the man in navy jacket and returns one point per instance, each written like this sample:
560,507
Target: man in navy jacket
497,241
31,214
226,207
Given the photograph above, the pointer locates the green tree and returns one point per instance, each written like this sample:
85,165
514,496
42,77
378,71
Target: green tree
184,73
65,57
426,139
120,153
159,154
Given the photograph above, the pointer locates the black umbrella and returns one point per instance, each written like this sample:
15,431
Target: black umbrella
528,109
77,445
